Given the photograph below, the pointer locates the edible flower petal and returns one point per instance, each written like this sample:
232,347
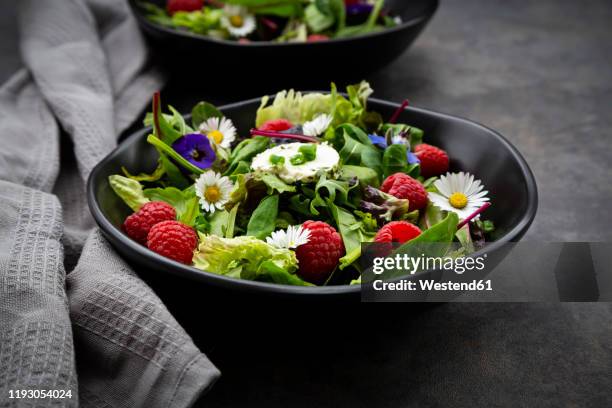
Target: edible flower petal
292,238
458,193
213,190
196,149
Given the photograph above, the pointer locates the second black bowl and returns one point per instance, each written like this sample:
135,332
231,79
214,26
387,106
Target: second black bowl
347,58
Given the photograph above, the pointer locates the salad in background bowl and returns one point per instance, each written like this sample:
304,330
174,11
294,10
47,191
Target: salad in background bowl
272,20
240,40
291,201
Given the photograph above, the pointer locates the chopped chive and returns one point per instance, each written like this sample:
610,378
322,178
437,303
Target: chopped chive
277,160
309,151
297,159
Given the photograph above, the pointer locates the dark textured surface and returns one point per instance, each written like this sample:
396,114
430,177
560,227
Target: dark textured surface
540,73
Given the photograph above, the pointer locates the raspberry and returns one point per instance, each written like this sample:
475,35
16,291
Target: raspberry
403,186
319,257
317,37
276,125
173,240
183,5
434,161
137,225
397,231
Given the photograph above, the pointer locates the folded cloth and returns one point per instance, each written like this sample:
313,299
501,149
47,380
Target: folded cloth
99,332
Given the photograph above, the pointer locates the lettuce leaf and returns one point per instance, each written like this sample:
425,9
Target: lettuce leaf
129,190
293,106
247,258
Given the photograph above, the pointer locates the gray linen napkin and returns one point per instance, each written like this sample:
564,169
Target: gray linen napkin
99,331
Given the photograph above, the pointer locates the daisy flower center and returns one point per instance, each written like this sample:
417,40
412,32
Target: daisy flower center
236,21
212,194
216,136
458,200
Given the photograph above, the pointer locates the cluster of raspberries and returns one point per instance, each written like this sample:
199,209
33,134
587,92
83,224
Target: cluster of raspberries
433,162
155,226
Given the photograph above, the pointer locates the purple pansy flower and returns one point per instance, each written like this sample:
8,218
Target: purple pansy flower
196,149
359,8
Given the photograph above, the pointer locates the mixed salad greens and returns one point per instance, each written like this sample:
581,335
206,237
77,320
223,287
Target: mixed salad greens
273,20
318,175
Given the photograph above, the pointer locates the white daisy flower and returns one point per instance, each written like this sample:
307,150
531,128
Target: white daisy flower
290,239
237,20
220,131
459,193
317,126
214,190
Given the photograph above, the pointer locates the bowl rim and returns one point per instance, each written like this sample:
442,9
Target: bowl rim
426,16
116,236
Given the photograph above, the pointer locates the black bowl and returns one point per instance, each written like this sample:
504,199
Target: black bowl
347,58
472,147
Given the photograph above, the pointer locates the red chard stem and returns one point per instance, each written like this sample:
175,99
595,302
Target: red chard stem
398,111
473,215
266,133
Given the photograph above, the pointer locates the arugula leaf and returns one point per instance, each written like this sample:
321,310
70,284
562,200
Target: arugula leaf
202,112
246,150
300,204
274,183
129,190
355,148
263,219
329,190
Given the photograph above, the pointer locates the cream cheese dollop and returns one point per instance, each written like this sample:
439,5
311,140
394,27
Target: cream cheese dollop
326,161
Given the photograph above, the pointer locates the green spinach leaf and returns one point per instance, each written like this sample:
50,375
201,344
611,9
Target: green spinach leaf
263,220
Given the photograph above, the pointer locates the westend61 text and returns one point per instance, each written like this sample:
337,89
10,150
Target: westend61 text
427,285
